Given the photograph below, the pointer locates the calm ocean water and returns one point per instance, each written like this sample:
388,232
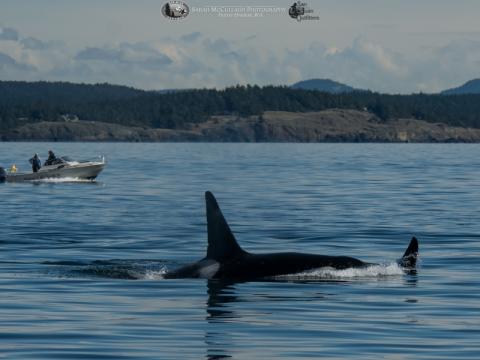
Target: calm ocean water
81,264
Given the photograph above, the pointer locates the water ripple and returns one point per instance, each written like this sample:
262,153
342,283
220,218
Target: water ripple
82,264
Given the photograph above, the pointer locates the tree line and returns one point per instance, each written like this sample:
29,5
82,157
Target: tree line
23,102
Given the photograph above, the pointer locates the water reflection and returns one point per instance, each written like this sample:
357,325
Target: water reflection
411,278
220,293
225,307
234,309
217,342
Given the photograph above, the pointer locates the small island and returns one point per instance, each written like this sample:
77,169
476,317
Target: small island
43,111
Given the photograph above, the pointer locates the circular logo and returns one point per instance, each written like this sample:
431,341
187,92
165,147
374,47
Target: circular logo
296,10
175,10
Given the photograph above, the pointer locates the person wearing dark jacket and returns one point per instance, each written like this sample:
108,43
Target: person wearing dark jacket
51,158
36,163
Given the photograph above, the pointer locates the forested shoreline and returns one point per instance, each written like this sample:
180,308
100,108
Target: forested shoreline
34,102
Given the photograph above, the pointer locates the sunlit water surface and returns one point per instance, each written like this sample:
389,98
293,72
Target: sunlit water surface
82,264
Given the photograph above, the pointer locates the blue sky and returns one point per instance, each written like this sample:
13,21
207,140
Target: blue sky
396,46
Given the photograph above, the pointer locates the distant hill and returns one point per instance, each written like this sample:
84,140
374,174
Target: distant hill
470,87
325,85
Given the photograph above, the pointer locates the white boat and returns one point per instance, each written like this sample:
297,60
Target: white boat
64,167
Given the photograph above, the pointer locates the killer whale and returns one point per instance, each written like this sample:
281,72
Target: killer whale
226,260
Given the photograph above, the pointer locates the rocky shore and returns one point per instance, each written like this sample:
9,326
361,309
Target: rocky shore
333,125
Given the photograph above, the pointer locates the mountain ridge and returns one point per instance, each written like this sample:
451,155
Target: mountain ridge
470,87
326,85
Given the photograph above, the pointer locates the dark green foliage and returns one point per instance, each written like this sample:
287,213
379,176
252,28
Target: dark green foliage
22,103
64,92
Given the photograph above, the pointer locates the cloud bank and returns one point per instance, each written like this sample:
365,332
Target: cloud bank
193,60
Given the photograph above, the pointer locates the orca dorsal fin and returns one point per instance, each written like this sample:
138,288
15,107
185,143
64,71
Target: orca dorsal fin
409,258
221,241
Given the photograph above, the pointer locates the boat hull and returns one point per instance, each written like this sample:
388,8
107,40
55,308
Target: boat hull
85,171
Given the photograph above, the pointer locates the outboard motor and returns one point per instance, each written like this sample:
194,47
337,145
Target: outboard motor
3,175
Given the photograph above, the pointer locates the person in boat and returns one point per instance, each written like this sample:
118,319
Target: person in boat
51,158
36,163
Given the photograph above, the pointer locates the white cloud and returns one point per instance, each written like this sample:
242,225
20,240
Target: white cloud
364,64
379,56
7,33
192,37
34,44
192,60
137,54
